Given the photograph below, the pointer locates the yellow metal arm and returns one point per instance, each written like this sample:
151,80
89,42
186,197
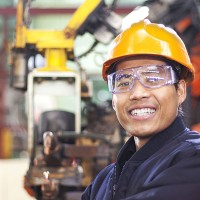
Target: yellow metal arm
80,17
57,46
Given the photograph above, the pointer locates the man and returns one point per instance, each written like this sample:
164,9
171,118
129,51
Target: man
147,71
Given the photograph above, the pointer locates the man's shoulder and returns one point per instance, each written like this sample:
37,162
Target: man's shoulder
104,172
186,145
193,139
190,136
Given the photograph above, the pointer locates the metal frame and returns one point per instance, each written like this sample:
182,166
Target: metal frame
30,102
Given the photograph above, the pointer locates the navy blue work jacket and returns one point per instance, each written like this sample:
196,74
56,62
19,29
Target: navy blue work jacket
165,168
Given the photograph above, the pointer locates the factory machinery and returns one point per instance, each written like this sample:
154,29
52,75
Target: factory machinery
64,155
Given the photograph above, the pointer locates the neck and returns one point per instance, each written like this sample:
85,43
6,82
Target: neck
139,142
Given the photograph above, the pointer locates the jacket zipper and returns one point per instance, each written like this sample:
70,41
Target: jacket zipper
116,178
114,181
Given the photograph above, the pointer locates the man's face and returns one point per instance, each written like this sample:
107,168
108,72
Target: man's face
143,111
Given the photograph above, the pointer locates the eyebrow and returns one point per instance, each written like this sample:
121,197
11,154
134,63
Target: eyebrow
120,76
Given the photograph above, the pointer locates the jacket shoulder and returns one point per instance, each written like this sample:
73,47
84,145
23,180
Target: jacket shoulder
94,188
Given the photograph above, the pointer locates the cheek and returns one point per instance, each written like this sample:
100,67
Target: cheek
168,103
118,103
115,105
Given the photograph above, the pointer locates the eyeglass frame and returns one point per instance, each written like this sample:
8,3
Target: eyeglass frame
168,69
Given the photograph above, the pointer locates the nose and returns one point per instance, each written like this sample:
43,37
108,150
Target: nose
138,91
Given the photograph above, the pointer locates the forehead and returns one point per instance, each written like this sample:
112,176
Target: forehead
139,61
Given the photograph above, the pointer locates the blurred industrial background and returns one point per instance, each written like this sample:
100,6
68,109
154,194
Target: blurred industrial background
32,99
49,14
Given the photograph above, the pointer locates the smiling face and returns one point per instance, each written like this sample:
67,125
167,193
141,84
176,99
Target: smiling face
143,112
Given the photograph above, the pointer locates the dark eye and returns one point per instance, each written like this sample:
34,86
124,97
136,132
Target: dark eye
123,80
123,84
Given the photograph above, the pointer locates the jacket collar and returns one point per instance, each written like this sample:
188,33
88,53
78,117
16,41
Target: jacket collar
153,145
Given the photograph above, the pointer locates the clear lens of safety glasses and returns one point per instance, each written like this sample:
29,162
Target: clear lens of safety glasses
152,76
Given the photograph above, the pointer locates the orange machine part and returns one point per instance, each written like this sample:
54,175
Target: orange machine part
195,59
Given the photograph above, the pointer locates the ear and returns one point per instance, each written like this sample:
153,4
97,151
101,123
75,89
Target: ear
181,91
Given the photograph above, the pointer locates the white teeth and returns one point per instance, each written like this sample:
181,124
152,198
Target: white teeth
143,111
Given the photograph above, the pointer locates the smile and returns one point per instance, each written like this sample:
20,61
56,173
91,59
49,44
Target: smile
142,111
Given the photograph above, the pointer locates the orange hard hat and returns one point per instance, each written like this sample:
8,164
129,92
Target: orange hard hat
146,38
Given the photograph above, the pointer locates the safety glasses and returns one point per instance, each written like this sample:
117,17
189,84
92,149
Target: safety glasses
151,76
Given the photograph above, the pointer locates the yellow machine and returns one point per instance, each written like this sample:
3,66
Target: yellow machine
61,157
